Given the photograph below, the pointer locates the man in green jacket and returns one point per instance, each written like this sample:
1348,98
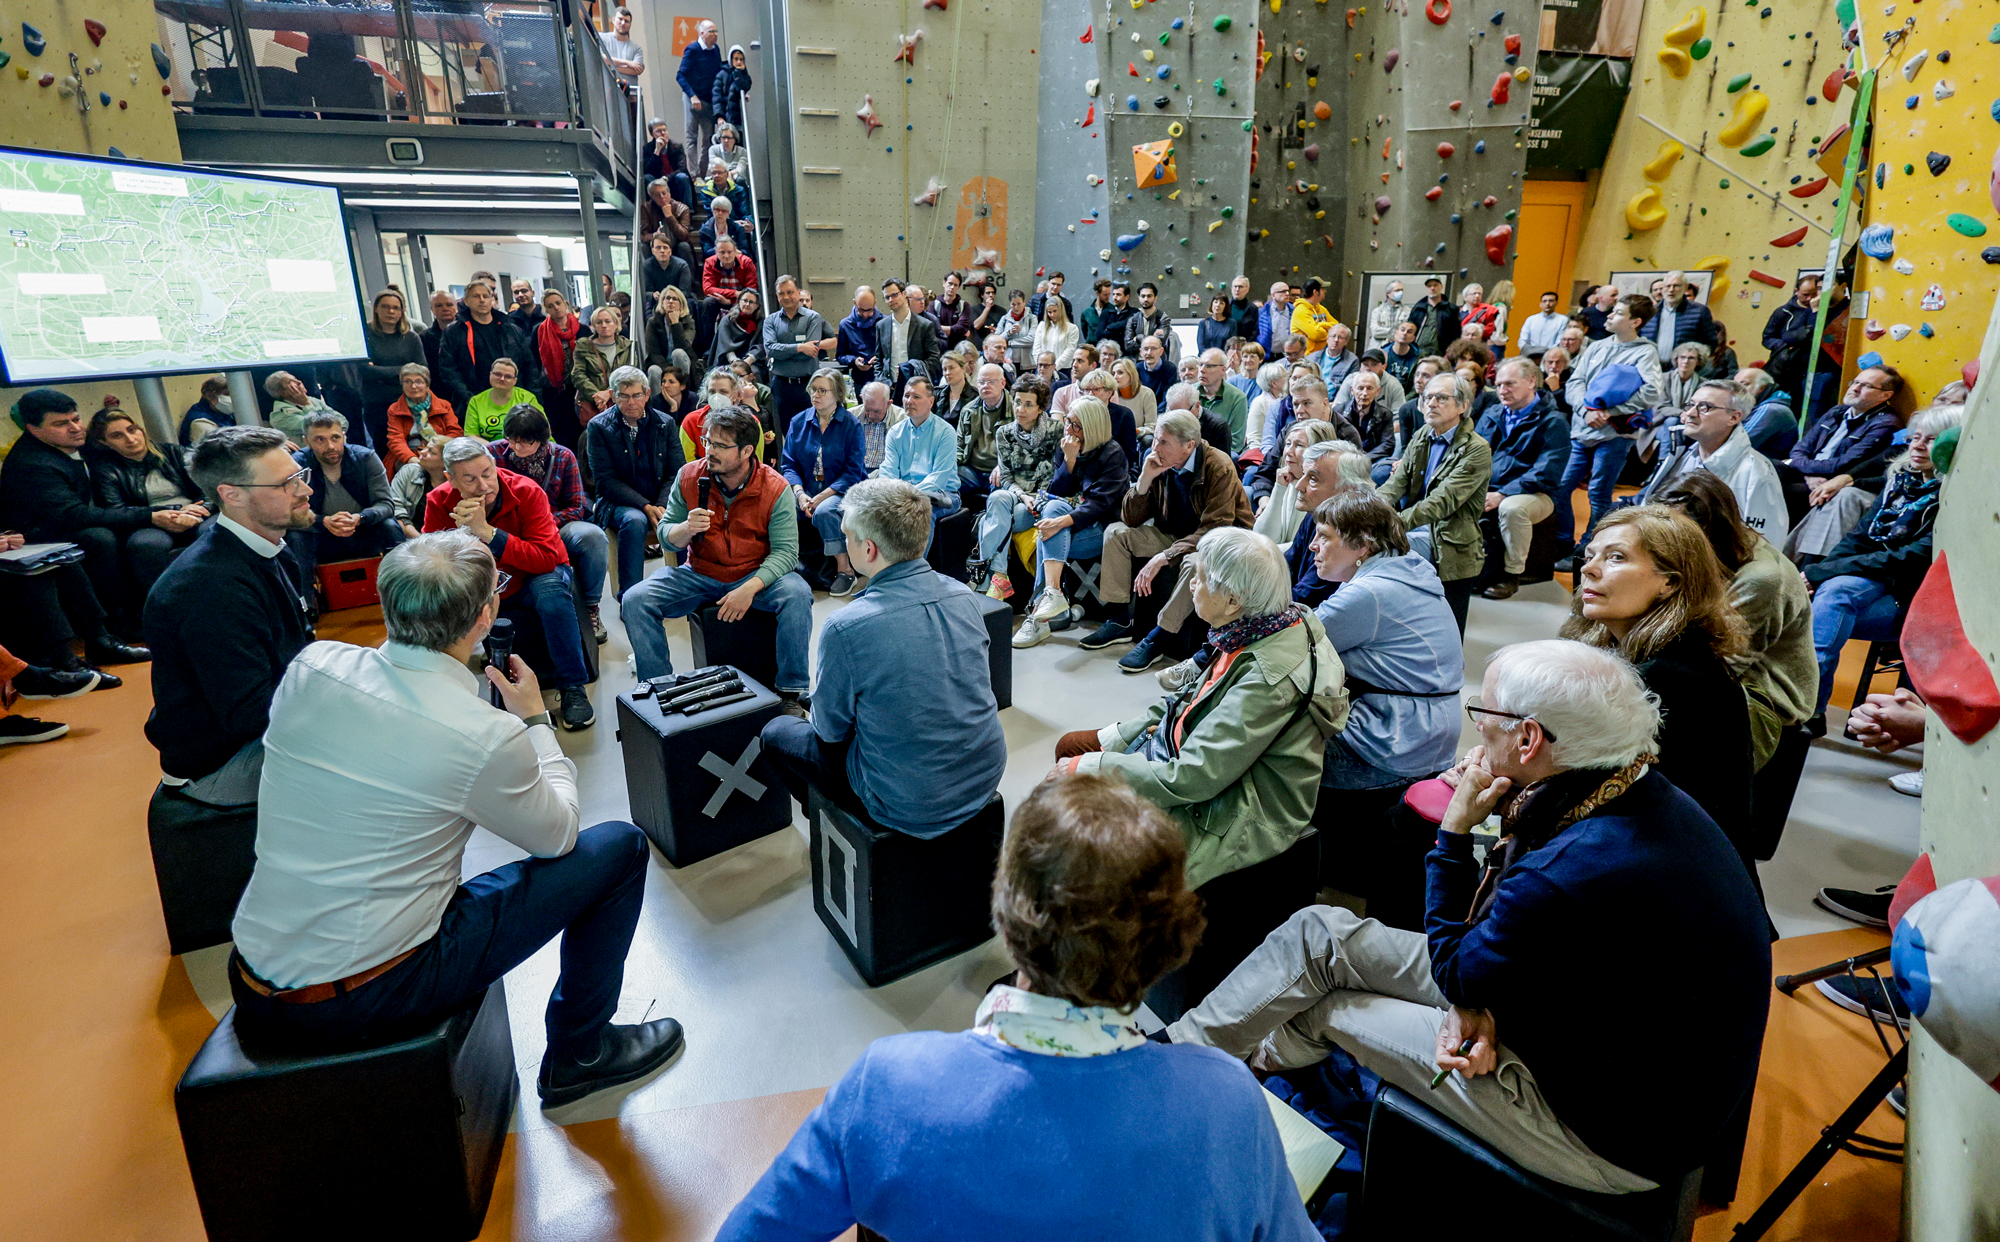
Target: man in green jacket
1440,487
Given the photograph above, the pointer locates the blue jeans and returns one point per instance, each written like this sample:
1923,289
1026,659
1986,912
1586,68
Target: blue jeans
552,598
1379,472
630,525
1848,607
1599,463
1005,515
589,896
679,591
974,485
826,520
1071,541
587,557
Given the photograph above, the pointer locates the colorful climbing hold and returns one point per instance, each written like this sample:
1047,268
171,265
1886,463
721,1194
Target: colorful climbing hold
1675,61
1445,150
1913,65
1382,204
1809,189
1435,193
1750,109
1761,145
1738,82
1878,241
34,40
1438,11
95,29
1323,110
1992,253
1701,49
1479,148
1938,162
1790,239
1391,59
1645,210
1496,242
1765,278
1222,23
1968,226
1501,86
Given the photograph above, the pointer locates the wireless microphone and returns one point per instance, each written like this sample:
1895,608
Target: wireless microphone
500,653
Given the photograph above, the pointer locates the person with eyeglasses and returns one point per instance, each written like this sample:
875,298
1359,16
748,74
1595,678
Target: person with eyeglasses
1844,455
1710,436
228,615
1440,484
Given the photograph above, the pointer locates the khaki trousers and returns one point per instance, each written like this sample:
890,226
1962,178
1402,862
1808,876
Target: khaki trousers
1518,515
1126,547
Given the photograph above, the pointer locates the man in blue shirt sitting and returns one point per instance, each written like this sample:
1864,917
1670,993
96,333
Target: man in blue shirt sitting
904,727
923,451
1530,440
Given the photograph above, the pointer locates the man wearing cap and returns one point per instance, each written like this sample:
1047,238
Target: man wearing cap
1436,319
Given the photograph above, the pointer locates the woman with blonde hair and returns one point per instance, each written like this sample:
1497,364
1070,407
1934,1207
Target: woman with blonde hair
1651,589
1055,334
1135,396
1084,497
1503,303
955,390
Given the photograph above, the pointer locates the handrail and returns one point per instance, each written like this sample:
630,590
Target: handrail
764,274
642,311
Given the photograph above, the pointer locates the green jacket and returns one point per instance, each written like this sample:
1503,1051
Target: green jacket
588,371
1243,783
1452,504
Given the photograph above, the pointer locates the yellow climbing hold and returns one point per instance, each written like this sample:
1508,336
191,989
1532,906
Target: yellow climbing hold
1690,29
1663,163
1171,197
1750,109
1148,53
1719,285
1214,225
1677,62
1175,130
1644,211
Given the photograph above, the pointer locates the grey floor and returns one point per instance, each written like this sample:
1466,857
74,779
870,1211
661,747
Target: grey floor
732,948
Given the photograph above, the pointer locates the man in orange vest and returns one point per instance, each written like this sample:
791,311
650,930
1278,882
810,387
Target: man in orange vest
734,519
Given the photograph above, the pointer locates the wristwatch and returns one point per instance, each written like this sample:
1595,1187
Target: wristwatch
539,718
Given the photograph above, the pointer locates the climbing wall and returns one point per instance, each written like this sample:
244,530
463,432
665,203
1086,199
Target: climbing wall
1174,105
1072,203
912,139
1299,193
1933,221
1713,165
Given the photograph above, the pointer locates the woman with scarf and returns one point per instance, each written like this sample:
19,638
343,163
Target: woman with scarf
740,334
555,345
1018,326
392,345
1235,755
417,417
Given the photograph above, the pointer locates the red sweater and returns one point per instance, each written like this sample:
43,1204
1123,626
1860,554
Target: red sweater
526,538
718,281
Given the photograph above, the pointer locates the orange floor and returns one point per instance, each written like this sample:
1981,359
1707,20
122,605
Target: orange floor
97,1022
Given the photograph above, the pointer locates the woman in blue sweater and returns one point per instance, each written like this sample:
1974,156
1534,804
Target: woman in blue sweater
1053,1117
825,454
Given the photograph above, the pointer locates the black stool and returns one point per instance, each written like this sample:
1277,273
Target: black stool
1000,647
896,903
532,644
398,1140
699,784
750,645
952,540
1412,1152
202,859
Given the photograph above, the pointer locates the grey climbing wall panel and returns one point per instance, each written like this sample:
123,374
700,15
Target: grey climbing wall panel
958,115
1299,192
1072,218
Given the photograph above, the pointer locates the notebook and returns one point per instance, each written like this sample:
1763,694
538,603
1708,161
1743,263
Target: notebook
1310,1152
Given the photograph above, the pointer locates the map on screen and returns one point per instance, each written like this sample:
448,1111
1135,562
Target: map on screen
109,268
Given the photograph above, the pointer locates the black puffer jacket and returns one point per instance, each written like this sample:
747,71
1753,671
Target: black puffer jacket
121,482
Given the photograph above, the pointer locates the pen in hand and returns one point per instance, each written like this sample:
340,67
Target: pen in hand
1463,1049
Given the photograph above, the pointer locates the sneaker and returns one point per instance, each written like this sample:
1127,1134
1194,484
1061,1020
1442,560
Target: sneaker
1113,631
597,629
841,586
1862,995
1031,633
22,730
1503,589
576,710
1868,909
47,683
1001,587
1174,676
1899,1099
1911,783
1050,605
1143,656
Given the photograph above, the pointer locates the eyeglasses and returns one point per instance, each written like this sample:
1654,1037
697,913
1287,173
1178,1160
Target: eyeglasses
711,444
302,478
1877,387
1436,398
1473,711
1702,409
501,580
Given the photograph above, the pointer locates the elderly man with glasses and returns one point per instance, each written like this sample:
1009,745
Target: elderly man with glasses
1846,446
1495,1015
1711,437
1224,402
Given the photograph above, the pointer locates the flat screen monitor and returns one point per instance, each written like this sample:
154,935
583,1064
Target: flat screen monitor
113,268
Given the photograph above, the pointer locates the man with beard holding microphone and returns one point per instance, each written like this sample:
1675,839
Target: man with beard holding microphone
734,519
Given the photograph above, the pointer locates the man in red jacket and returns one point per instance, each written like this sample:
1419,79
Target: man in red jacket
510,514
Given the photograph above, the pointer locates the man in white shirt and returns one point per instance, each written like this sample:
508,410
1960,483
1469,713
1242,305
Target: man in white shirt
626,57
906,340
1541,331
378,763
1715,441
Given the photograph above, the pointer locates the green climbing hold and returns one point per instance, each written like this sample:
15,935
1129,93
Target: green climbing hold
1227,212
1738,82
1969,226
1211,257
1220,89
1843,12
1993,35
1511,214
1701,48
1222,23
1760,146
1909,170
1184,241
1725,183
1163,37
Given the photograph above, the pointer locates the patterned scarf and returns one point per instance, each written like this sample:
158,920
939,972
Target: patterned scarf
1243,631
536,467
1534,816
1909,508
1052,1026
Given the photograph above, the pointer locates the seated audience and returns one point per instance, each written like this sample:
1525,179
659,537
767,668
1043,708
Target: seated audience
739,335
1372,412
1390,387
1306,399
355,926
1234,756
1651,589
1440,487
1337,361
876,417
734,520
1270,392
1711,425
1026,450
1100,386
290,404
1221,401
825,455
1215,331
1722,361
1555,364
1865,583
672,330
1530,443
672,399
228,615
907,342
1186,396
1601,437
1321,479
466,351
1518,948
922,450
1156,371
871,712
417,418
1678,382
1135,396
595,358
1772,427
721,222
1846,446
635,455
131,472
1777,668
528,451
412,485
44,614
1185,489
725,274
1082,498
510,515
353,516
393,343
979,416
1278,512
486,412
1092,907
213,409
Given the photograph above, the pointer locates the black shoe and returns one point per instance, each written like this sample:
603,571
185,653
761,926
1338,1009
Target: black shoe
576,710
1567,565
46,683
1867,909
795,704
1143,656
1113,631
1862,995
1816,726
1899,1099
107,681
841,587
21,730
108,650
1503,589
624,1053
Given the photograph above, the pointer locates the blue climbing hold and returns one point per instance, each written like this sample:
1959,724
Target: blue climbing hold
104,97
160,61
1440,248
1163,72
1911,102
115,153
1443,177
1924,329
1498,17
33,39
1130,241
1132,102
1456,218
1479,148
1180,23
1878,241
1996,109
1869,359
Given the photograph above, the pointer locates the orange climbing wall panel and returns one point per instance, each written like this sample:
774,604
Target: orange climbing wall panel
982,221
1551,227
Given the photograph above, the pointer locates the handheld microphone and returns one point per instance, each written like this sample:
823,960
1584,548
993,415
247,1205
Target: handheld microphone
706,481
500,652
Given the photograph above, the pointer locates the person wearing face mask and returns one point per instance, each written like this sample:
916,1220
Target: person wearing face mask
1385,315
214,409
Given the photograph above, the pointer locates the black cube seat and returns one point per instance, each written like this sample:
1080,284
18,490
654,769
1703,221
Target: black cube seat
699,783
202,859
532,644
896,903
1000,650
952,540
398,1140
749,644
1412,1152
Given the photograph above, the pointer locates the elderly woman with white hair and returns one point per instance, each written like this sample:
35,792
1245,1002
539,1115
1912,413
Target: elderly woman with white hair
1605,872
1235,755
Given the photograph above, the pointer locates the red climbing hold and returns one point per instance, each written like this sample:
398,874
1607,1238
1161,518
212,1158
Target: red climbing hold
1489,201
1089,35
1090,114
95,29
1350,19
1501,86
1131,68
1439,11
1809,189
1829,90
1765,278
1944,666
1792,238
1444,150
1513,43
1456,104
1496,243
1435,193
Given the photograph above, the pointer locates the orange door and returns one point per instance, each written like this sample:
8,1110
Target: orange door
1545,256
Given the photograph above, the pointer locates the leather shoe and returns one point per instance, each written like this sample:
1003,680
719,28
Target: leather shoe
1503,589
624,1053
109,650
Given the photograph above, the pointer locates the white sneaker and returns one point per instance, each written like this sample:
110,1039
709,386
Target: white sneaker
1174,676
1049,606
1911,783
1031,633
